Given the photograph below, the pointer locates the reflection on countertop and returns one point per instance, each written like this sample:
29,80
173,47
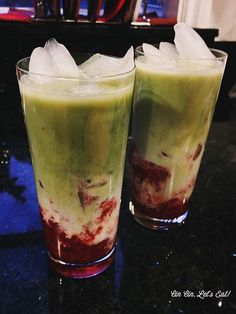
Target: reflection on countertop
152,271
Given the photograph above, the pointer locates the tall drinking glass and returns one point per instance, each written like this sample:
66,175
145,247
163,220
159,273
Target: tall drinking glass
77,131
173,108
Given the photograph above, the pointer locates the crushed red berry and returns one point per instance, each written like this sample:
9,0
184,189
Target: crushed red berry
106,207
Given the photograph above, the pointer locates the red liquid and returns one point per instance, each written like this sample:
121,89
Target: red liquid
79,249
169,210
148,184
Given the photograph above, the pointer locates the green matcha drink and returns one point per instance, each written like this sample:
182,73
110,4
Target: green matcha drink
173,108
77,132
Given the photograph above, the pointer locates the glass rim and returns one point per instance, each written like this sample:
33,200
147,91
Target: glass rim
64,77
224,54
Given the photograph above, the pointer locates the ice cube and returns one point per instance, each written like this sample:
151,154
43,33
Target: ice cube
168,50
154,57
41,62
100,65
52,60
64,63
151,50
189,44
41,66
127,62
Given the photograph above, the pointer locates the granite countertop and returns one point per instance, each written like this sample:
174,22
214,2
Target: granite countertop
188,270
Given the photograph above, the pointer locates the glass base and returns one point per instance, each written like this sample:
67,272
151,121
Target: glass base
80,271
157,223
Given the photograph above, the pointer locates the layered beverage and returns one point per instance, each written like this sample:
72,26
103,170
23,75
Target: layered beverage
77,131
173,107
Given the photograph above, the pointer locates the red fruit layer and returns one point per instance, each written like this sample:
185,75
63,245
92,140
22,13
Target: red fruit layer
144,169
79,248
148,186
171,209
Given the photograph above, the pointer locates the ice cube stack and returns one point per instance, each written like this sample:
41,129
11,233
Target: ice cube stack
54,60
188,46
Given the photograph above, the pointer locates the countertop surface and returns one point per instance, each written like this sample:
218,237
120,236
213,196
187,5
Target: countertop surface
188,270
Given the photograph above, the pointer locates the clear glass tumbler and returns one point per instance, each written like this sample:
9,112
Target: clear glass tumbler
173,108
77,131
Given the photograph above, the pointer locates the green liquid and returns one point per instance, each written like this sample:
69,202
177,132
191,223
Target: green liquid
77,143
172,113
